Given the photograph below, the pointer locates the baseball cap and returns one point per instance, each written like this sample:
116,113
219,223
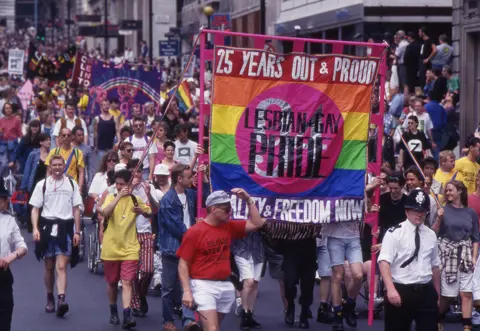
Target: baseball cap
162,170
418,200
217,198
120,166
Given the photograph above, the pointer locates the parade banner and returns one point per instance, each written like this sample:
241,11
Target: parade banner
292,130
56,69
26,94
82,71
16,60
129,84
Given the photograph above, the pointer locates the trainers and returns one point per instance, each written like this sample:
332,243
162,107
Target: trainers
177,310
350,314
192,326
114,319
50,307
62,309
138,312
245,322
239,309
169,326
324,315
440,327
337,323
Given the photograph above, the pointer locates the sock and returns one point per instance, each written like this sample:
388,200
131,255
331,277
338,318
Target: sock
61,297
238,301
337,309
113,309
466,321
350,301
126,312
324,305
50,297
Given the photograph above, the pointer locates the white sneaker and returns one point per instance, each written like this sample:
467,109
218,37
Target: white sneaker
475,318
119,284
239,309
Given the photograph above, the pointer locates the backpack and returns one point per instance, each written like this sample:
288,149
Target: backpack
44,188
63,123
135,204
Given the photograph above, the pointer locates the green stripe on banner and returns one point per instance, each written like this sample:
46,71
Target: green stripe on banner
353,155
224,150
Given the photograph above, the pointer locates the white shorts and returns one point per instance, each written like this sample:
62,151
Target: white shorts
476,281
213,295
464,283
247,269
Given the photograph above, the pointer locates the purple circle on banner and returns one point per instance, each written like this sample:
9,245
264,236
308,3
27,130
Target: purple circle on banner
289,138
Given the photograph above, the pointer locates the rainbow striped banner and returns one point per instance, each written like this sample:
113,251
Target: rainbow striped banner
184,98
292,131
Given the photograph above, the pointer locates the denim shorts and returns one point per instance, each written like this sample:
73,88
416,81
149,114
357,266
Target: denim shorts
344,249
54,249
323,261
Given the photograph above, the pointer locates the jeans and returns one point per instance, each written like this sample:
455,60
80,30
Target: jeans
171,291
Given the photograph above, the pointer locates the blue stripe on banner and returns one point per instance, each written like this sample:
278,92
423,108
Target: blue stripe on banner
181,105
340,183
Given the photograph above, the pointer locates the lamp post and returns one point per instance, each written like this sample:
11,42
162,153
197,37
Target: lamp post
208,12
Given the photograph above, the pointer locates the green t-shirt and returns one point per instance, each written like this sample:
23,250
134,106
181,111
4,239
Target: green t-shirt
453,84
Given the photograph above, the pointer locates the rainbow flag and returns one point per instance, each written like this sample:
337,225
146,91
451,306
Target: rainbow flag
184,98
298,148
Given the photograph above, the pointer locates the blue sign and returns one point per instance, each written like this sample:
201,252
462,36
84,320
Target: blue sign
169,47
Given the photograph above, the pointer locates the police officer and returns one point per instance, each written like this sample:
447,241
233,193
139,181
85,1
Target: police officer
409,264
12,247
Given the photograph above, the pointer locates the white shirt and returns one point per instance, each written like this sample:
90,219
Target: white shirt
398,246
424,122
70,125
143,224
99,184
186,214
10,237
59,198
184,153
139,145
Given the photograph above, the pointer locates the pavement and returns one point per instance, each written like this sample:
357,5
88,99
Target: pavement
89,308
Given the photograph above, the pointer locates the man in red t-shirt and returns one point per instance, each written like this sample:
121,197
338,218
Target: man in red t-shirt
204,267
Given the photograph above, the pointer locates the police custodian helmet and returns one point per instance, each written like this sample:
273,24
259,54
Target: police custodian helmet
418,200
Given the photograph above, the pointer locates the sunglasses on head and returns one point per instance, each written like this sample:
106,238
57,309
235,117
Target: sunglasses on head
393,179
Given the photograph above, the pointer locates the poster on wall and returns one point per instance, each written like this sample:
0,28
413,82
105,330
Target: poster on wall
292,130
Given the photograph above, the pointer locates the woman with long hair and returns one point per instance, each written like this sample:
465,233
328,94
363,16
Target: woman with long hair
160,140
10,131
457,228
27,144
35,169
100,180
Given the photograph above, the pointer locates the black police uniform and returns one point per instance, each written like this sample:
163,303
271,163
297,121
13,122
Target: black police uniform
412,253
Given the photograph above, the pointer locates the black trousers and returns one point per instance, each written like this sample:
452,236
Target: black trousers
299,266
6,299
419,304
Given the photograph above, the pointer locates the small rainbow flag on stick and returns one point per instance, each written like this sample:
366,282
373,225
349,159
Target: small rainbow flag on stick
184,98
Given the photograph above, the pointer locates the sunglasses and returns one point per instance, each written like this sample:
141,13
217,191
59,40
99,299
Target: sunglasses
112,160
226,209
138,125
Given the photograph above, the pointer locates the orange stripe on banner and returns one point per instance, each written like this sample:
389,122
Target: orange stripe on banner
240,92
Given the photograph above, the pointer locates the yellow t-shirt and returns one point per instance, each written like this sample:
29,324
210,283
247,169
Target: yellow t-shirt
72,170
120,241
469,171
117,113
83,103
443,178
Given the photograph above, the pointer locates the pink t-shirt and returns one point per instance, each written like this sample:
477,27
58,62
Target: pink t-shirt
11,128
474,203
160,155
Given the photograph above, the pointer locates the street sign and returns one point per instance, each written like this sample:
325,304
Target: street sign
89,18
15,62
134,25
217,21
169,47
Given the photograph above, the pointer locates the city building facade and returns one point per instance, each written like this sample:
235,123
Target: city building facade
466,45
